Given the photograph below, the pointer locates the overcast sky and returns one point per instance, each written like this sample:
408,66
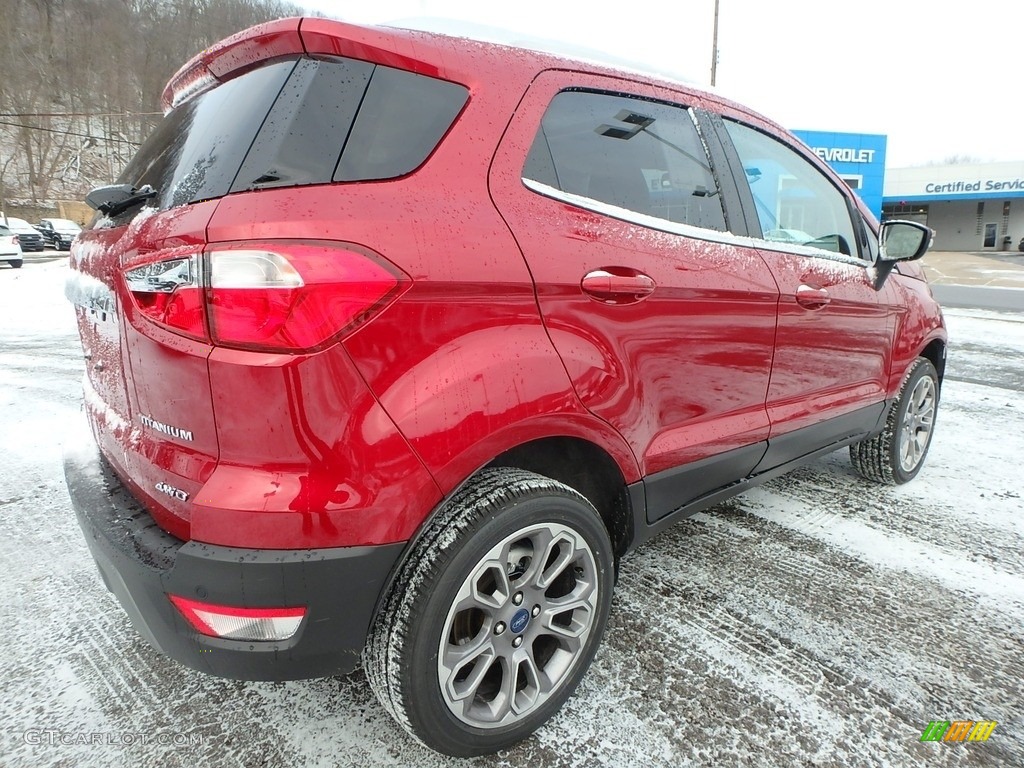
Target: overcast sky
937,81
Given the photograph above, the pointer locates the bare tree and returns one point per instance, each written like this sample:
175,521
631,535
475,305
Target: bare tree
82,81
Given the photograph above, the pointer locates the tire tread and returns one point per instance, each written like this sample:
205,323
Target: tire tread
486,495
873,458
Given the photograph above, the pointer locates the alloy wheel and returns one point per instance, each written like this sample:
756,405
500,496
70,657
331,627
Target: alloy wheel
916,427
518,625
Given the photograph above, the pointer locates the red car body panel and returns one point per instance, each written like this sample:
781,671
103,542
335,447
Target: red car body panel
341,473
237,54
159,375
488,348
906,291
809,381
918,324
681,374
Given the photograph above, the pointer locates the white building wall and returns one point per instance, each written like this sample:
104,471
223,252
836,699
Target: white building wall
956,224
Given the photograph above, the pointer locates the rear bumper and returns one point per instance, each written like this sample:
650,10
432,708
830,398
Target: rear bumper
141,565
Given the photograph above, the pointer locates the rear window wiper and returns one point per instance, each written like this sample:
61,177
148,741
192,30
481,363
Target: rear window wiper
117,198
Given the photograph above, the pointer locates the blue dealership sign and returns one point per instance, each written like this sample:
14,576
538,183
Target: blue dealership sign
858,157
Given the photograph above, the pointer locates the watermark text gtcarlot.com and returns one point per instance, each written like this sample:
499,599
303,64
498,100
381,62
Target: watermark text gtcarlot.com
52,737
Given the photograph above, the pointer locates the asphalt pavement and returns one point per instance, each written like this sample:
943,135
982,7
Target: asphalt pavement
981,280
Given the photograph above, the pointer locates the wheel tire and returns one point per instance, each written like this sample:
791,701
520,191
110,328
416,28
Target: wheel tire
465,703
897,454
16,263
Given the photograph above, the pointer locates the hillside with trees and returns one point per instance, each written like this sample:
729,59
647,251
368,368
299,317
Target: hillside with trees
80,83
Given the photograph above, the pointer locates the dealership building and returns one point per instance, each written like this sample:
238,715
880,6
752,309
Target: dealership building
971,207
858,158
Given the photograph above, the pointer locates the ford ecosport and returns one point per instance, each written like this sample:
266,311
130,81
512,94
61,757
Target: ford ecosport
397,342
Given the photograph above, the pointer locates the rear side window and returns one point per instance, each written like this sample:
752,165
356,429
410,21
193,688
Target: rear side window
303,135
642,156
402,118
309,121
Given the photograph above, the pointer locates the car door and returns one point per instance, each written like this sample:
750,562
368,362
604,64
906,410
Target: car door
833,346
46,231
665,325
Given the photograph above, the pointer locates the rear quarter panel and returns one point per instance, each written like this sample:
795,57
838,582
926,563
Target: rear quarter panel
461,362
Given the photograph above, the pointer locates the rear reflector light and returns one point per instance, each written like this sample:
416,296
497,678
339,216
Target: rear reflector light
234,623
293,297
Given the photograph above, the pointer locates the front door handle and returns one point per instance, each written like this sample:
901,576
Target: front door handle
617,285
812,298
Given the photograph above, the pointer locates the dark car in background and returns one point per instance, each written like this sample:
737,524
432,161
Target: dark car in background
59,233
31,239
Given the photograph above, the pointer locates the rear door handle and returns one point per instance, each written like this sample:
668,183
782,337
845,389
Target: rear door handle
812,298
617,285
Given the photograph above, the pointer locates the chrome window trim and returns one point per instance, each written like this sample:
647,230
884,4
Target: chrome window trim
687,230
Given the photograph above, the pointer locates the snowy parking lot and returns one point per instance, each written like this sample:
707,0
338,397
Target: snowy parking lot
815,621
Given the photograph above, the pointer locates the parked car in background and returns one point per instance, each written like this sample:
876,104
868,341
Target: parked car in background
10,249
31,239
59,233
408,388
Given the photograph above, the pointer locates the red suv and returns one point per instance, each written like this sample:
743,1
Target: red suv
397,342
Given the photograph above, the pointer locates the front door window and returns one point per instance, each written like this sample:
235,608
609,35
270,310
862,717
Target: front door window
796,204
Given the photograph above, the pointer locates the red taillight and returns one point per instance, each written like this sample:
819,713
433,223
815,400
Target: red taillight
234,623
292,298
170,293
278,297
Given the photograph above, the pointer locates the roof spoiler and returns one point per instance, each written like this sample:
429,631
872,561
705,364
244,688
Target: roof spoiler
257,45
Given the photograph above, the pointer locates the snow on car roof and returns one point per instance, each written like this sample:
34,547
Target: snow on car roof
562,49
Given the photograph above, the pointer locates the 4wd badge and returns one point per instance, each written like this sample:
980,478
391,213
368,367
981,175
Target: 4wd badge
170,490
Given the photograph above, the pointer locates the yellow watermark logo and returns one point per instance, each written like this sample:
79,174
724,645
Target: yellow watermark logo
958,730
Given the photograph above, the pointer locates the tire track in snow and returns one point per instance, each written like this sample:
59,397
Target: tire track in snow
800,644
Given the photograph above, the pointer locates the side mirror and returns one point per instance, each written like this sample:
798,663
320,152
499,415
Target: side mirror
900,241
903,241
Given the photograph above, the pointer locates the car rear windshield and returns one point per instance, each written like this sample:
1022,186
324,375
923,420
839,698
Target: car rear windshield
295,122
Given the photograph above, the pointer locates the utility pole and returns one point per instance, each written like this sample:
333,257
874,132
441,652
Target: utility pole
714,47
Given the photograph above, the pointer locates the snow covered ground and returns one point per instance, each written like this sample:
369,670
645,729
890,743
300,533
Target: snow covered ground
818,620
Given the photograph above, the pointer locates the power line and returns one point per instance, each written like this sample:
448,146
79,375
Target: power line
70,133
79,114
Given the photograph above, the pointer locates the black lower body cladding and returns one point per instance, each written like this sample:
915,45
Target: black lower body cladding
142,565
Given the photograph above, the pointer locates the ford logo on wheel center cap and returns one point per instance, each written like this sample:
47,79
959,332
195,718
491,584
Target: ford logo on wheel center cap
519,621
